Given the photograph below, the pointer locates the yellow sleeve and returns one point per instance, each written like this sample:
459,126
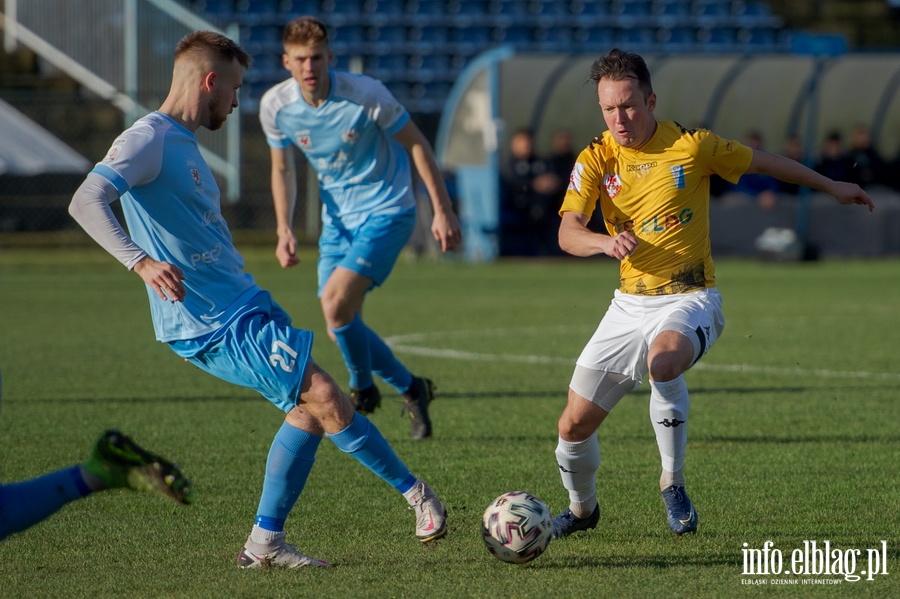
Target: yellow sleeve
724,157
585,183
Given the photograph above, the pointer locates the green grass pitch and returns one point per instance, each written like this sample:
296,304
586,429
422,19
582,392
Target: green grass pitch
794,435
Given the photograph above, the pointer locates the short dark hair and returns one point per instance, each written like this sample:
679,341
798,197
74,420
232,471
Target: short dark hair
305,31
219,46
617,65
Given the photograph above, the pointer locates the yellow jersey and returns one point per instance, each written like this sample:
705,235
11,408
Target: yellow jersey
660,193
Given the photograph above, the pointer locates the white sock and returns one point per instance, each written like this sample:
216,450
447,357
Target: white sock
578,463
669,406
264,536
415,493
671,479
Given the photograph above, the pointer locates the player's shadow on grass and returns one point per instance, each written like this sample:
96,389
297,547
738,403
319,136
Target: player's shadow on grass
160,399
746,390
641,393
795,439
504,394
663,562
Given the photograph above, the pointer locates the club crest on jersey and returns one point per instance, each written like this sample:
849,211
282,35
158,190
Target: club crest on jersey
304,140
350,136
612,184
195,175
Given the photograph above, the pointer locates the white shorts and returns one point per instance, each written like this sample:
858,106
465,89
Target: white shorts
632,322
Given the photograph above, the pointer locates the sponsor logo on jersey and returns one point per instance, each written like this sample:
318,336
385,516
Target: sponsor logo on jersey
660,223
630,168
208,257
341,161
212,218
612,184
619,225
678,175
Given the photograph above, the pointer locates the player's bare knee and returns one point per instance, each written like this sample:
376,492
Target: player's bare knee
667,366
336,310
319,391
670,355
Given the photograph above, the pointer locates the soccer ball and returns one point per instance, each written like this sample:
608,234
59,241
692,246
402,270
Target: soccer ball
517,527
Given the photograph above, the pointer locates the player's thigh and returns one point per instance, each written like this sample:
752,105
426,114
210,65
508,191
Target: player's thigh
617,344
698,316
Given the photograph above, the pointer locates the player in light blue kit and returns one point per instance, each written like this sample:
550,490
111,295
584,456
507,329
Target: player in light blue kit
212,313
115,462
356,136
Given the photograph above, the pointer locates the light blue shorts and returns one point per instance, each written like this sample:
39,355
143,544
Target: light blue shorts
370,250
258,349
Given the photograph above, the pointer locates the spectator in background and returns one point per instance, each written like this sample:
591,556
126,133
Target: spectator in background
531,196
834,162
793,149
562,159
867,166
763,189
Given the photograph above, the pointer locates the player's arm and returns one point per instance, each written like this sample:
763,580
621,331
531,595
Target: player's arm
284,198
575,238
445,226
791,171
90,207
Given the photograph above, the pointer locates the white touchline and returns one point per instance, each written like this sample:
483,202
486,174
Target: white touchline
408,344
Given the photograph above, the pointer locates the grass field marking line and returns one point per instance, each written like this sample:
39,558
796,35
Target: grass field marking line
408,344
402,344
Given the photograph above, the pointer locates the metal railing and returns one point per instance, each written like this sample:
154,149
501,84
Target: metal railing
121,50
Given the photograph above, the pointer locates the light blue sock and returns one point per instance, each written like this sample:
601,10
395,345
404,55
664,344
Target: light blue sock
26,503
386,366
353,339
288,466
364,441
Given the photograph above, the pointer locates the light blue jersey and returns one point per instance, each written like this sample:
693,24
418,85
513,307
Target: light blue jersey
348,140
171,205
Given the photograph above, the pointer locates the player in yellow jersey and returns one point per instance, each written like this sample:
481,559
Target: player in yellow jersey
651,181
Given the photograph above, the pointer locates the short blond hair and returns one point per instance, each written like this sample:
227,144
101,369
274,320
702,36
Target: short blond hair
210,43
305,31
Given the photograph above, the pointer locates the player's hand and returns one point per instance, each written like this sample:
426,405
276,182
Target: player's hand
851,193
622,245
446,230
163,278
286,250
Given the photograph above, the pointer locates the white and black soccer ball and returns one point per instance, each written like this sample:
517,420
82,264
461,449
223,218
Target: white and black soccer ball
517,527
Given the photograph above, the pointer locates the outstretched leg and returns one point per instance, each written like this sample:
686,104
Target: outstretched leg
116,462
